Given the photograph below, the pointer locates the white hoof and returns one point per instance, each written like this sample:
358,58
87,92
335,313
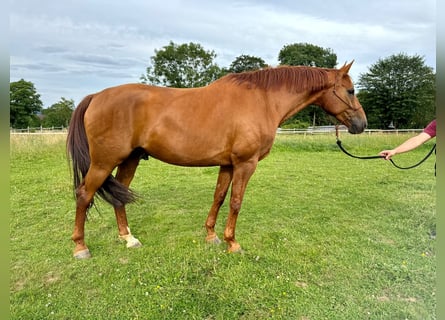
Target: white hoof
132,242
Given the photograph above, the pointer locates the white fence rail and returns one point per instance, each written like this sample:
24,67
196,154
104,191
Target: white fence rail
308,131
39,130
331,130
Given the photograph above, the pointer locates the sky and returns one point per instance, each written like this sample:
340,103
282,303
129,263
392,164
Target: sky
73,48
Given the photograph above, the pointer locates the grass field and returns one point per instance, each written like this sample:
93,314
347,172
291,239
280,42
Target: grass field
324,236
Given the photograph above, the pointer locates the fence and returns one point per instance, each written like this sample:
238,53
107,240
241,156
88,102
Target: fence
331,130
308,131
40,130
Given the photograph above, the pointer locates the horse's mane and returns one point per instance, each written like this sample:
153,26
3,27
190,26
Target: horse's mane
295,79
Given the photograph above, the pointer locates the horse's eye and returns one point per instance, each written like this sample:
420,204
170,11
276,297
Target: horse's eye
351,91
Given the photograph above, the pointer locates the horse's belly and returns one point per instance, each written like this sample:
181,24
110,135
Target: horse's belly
198,153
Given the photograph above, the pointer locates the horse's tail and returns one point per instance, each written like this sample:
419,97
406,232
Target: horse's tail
112,191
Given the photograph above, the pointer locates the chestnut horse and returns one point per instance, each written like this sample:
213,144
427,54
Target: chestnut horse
231,123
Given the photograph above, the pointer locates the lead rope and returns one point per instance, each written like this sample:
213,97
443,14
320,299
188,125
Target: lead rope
379,157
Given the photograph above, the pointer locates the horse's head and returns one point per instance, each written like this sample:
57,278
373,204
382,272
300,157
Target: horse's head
340,101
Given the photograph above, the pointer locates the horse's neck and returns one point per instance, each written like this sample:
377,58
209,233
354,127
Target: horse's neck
288,104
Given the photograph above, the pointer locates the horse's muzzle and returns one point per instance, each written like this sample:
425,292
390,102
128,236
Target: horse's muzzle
357,126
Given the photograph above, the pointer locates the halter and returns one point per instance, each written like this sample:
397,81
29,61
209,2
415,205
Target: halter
340,98
343,100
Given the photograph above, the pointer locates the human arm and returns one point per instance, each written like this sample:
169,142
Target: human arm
406,146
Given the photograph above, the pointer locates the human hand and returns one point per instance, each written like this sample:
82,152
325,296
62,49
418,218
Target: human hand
387,154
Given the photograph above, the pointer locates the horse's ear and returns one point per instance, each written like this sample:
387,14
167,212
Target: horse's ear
346,67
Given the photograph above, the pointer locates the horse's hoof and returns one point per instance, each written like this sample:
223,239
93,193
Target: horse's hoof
82,254
214,240
235,249
134,243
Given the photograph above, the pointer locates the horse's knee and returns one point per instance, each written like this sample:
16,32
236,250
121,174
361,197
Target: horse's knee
220,197
235,205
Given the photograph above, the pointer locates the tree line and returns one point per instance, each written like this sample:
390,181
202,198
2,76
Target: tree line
397,91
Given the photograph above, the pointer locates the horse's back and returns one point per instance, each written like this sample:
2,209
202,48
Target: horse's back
126,105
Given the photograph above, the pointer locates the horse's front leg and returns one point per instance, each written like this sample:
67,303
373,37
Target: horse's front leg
125,174
241,176
222,185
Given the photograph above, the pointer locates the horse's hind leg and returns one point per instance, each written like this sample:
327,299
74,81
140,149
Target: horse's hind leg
84,196
222,185
125,174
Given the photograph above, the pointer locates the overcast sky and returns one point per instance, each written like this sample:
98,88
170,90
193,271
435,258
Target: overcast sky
72,48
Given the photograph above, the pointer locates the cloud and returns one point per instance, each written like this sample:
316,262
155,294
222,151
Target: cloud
73,48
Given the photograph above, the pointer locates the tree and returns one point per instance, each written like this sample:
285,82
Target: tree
246,63
182,66
305,54
59,114
25,103
398,90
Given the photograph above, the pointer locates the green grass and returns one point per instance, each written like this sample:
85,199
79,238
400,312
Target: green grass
325,237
